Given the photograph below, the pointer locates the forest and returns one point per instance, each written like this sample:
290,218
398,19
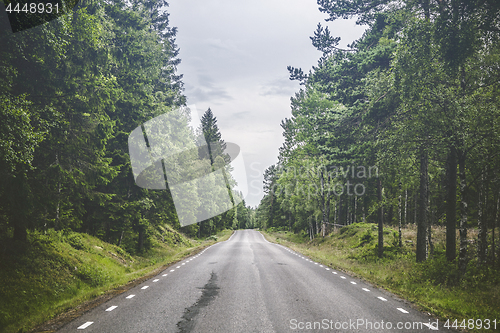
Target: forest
399,128
72,90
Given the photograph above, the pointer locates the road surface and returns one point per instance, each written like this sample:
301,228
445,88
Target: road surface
247,284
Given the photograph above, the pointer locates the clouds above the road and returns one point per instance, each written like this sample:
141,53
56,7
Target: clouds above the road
234,58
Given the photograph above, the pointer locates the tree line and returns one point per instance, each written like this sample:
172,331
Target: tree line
71,92
417,97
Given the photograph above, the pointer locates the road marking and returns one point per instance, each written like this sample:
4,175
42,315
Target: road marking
145,287
342,277
164,274
432,327
320,265
382,299
353,282
403,310
365,289
315,263
178,267
334,272
111,308
84,326
172,270
183,263
130,296
156,280
327,269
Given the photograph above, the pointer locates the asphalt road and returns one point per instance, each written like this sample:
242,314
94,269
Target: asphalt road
247,284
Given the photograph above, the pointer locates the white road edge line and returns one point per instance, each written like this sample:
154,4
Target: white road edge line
402,310
84,326
111,308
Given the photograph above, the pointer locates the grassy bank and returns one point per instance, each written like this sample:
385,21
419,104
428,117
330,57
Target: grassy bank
433,286
57,271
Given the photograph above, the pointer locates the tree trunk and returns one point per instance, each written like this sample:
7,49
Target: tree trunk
481,224
363,209
451,206
423,207
462,254
496,223
339,216
141,239
406,206
415,210
355,207
400,218
429,233
380,221
121,238
323,203
328,198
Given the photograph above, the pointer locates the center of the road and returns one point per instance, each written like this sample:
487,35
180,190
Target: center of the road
209,292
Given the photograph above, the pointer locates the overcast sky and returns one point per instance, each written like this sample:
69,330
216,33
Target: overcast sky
234,57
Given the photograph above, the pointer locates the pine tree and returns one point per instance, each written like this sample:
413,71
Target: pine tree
215,145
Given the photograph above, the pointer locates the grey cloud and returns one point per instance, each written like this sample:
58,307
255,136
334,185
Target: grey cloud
282,86
206,90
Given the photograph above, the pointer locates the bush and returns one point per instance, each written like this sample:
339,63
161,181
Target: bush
76,241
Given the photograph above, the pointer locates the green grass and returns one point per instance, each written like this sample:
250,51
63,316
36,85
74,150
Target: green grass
433,286
57,271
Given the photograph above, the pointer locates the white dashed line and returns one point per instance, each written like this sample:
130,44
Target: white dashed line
84,326
111,308
365,289
178,267
432,327
172,270
334,273
353,282
327,269
145,287
382,299
183,263
320,265
342,277
402,310
164,274
156,280
315,263
130,296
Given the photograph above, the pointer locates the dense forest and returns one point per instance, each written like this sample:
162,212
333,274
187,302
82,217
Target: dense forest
71,92
402,127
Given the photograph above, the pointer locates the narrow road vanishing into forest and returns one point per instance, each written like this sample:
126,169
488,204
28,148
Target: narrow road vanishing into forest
247,284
